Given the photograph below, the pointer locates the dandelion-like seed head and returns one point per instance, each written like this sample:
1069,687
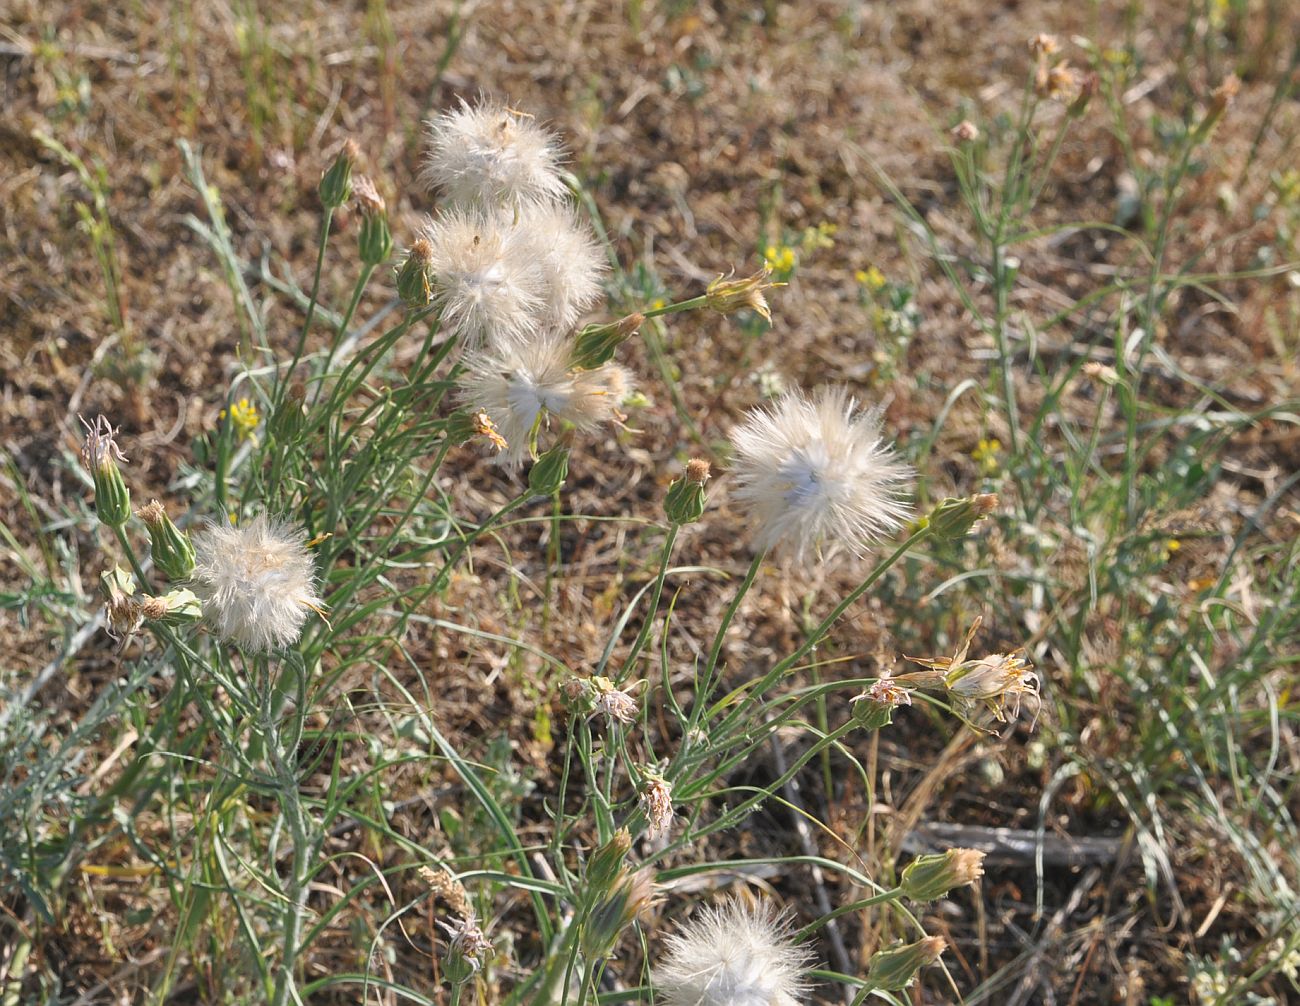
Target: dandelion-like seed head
733,956
518,386
490,155
487,281
257,583
814,470
565,250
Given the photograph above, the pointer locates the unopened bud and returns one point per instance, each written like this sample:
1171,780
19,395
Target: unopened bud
336,184
892,969
613,911
549,473
928,878
415,276
953,518
606,863
99,456
172,551
685,500
727,296
375,241
595,344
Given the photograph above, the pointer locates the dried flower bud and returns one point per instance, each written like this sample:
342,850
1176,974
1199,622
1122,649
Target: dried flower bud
991,680
595,344
369,201
1043,44
1063,82
547,476
727,296
656,800
615,703
965,132
415,276
176,607
125,613
929,878
874,708
172,551
1088,88
698,471
1220,99
99,456
336,184
1101,372
893,969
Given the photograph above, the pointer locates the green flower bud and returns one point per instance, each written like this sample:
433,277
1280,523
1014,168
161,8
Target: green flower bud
172,551
550,471
99,456
684,503
614,911
376,241
595,344
928,878
893,969
415,276
336,184
606,863
953,518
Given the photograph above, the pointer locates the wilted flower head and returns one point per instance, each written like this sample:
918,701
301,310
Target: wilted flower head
490,155
732,956
875,707
994,680
657,804
487,280
518,386
257,582
467,948
562,245
614,702
817,469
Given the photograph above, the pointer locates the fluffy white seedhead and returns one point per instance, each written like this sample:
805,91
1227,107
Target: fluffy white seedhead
564,249
257,583
814,471
732,956
487,280
519,386
490,156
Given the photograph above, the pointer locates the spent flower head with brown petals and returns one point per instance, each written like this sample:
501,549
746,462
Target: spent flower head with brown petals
518,386
816,470
994,681
656,800
491,156
257,583
733,955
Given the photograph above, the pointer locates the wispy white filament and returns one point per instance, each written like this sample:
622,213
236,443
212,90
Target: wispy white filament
732,956
815,471
256,583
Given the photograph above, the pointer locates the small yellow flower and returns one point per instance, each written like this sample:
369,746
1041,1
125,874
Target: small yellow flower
873,279
780,258
985,455
821,236
244,419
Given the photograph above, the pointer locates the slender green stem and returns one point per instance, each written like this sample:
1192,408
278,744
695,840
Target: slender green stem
311,307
